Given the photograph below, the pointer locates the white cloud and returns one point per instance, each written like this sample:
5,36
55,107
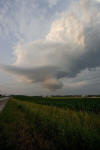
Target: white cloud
67,29
52,3
98,0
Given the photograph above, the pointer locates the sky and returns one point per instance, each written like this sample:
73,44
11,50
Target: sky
50,47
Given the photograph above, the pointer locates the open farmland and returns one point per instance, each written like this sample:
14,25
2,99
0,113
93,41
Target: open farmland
29,123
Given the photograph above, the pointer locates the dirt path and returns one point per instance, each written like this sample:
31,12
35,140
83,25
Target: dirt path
3,102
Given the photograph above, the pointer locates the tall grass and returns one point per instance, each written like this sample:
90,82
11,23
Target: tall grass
62,129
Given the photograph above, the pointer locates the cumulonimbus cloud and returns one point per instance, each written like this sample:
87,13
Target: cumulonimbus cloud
72,45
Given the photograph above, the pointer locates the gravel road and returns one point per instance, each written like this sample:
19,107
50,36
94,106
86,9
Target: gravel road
3,102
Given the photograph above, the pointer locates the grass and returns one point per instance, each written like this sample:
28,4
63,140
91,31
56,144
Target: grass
27,125
14,129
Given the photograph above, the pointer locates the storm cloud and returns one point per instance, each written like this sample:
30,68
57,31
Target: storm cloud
71,46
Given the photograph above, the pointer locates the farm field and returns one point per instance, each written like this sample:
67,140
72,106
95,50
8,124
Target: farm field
28,123
77,104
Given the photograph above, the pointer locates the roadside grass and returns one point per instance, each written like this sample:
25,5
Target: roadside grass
14,129
27,126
